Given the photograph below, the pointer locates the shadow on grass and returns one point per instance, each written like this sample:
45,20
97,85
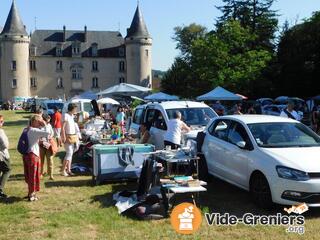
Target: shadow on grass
75,183
11,200
106,200
16,123
60,155
16,177
22,112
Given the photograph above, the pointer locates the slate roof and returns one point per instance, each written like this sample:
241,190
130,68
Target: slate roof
14,25
108,42
138,27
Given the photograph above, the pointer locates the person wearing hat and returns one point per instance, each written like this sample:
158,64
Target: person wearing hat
289,112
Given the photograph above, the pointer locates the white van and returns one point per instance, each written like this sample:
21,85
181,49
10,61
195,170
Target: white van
82,105
195,114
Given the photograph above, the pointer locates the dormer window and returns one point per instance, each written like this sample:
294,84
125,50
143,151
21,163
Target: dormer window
76,48
121,52
33,50
59,50
94,50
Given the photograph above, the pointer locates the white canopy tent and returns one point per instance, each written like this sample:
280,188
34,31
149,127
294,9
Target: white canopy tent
219,94
108,101
160,96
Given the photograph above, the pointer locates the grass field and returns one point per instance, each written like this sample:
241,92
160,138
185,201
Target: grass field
71,208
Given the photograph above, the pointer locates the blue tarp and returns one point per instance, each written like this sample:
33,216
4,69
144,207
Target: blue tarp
160,96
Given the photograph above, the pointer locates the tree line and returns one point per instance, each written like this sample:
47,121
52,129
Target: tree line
247,53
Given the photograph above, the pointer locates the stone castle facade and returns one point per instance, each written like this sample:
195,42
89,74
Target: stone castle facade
64,63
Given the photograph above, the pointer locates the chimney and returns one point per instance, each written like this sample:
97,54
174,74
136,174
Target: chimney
85,34
64,33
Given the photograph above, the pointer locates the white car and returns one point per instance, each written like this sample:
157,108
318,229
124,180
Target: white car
157,115
276,159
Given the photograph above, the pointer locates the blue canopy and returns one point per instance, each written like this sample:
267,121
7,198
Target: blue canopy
219,94
160,96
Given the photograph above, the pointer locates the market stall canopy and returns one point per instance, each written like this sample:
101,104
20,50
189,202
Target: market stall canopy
220,94
124,89
160,96
108,101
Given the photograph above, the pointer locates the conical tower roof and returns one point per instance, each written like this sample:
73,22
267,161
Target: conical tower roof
14,25
138,27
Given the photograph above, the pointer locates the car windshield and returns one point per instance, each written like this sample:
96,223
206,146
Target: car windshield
194,116
53,105
282,135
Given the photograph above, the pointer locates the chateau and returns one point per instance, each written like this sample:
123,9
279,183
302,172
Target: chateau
57,63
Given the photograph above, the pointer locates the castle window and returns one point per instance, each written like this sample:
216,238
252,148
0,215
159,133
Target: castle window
121,52
33,65
33,50
14,83
59,66
95,82
59,82
122,80
59,50
95,66
121,66
147,52
14,65
94,50
76,74
76,48
33,82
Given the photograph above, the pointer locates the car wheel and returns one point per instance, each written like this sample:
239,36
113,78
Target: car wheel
260,191
203,168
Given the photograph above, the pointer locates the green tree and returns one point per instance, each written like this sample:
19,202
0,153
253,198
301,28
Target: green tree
224,58
255,15
184,36
299,59
177,78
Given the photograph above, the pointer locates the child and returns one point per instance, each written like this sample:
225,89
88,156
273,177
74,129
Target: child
5,166
46,148
31,160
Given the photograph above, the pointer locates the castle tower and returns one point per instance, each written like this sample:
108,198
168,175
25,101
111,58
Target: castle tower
14,42
139,52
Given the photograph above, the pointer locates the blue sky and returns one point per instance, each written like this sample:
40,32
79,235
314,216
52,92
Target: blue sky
161,17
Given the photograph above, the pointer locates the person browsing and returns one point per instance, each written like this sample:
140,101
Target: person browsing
172,137
70,138
31,159
289,112
5,166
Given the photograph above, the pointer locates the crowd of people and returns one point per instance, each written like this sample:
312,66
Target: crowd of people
44,136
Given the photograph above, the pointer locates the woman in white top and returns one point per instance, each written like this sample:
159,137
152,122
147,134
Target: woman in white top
31,160
172,137
70,138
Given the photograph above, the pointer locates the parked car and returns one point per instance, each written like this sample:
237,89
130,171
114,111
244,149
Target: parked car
276,159
157,115
265,101
274,110
49,105
36,103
